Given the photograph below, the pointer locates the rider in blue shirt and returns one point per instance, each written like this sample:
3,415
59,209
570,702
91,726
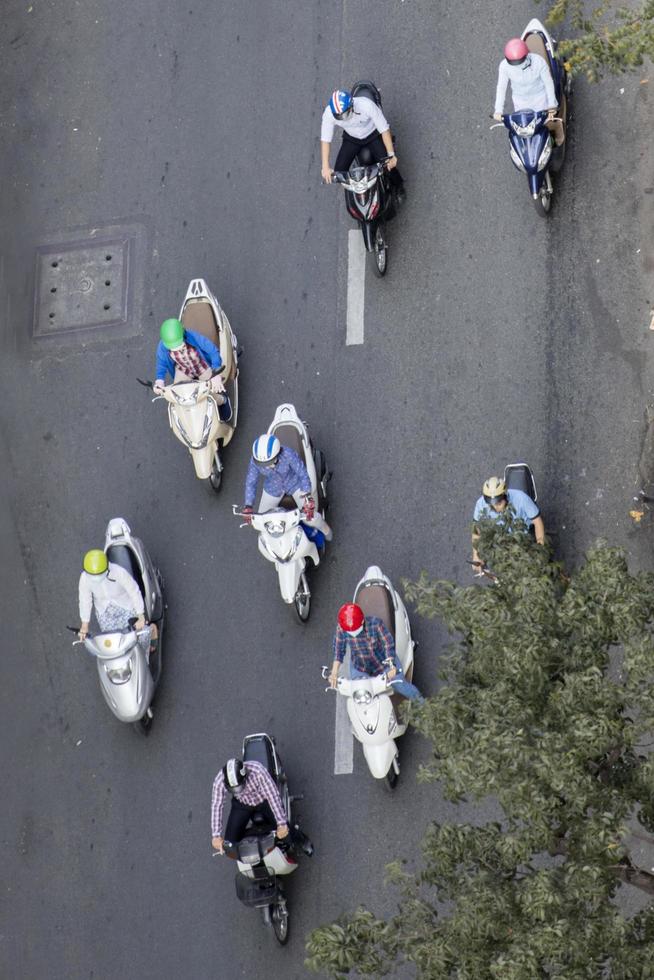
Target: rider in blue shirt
496,501
283,473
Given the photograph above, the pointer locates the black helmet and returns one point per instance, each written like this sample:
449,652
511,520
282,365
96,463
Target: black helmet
234,774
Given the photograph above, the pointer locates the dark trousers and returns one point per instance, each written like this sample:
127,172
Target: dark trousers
239,815
351,146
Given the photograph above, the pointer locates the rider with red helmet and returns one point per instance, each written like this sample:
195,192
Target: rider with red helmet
532,85
372,650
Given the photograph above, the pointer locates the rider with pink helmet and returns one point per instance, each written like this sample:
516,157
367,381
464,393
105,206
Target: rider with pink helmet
532,86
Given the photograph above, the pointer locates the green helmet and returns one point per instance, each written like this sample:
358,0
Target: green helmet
95,562
172,333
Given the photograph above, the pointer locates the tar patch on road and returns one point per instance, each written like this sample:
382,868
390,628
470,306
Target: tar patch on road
91,286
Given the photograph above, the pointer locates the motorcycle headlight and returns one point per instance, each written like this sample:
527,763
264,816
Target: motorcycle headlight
186,397
120,675
516,159
361,696
545,155
527,130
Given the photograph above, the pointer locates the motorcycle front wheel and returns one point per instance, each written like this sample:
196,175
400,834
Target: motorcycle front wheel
543,203
144,724
279,920
216,475
379,254
302,601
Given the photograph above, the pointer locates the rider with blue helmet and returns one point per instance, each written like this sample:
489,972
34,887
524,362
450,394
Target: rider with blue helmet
284,473
363,124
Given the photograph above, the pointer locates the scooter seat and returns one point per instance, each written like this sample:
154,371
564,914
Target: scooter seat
368,90
375,601
199,318
259,750
121,555
290,436
536,45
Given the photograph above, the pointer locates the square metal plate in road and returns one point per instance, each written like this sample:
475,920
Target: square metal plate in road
82,285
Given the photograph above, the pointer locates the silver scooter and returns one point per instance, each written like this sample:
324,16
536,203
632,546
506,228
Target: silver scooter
128,670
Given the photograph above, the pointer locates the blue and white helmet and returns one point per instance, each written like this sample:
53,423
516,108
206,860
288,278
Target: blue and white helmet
340,102
266,449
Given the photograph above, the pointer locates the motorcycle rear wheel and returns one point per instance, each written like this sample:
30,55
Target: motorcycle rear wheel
379,254
280,924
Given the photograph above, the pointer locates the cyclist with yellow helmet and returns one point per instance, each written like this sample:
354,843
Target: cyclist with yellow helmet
495,502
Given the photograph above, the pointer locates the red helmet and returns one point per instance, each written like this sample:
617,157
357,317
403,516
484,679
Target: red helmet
515,51
350,617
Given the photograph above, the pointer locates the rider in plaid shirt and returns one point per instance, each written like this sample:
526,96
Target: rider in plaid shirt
252,788
372,650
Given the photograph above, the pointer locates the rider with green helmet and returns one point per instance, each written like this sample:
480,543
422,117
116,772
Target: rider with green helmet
189,356
111,592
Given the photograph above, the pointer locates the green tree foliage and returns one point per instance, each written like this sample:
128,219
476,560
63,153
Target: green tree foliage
605,38
545,705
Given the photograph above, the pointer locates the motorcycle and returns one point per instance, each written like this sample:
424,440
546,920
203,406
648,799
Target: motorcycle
369,196
261,860
128,669
193,412
517,476
283,538
371,703
531,144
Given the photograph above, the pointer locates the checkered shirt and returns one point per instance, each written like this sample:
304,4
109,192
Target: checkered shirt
369,649
259,786
190,361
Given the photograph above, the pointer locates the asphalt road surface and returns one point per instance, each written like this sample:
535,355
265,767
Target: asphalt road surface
495,336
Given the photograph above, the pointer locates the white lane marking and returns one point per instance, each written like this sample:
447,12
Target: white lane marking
356,286
343,738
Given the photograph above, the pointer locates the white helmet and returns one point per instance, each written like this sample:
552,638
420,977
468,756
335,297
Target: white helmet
266,449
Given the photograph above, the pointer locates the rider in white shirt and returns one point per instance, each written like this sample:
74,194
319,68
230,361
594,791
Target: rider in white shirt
532,85
111,592
363,124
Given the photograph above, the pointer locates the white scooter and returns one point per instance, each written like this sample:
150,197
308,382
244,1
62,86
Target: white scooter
261,861
371,702
281,538
192,410
128,671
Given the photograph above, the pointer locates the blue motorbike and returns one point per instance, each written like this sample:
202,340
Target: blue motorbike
532,144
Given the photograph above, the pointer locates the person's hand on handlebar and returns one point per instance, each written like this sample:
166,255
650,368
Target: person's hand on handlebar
217,844
551,113
247,513
497,116
327,174
391,163
83,631
158,387
282,831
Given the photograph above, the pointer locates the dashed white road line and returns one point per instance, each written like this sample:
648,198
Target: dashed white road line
343,738
356,286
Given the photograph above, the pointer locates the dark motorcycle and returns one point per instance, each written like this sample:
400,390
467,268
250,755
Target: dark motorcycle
531,145
369,195
262,860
